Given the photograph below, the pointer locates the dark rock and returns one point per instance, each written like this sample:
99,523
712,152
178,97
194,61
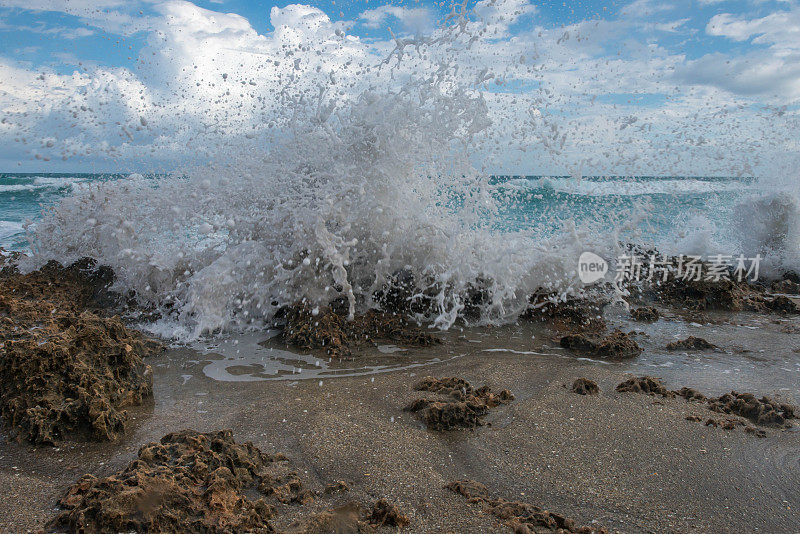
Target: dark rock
521,517
462,406
568,315
755,431
331,331
67,371
190,482
783,304
469,489
578,343
383,513
340,486
791,276
647,314
726,424
691,394
788,287
584,386
345,519
647,385
397,295
763,411
616,345
691,343
724,294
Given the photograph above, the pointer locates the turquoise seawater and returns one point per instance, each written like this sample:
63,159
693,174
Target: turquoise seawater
659,205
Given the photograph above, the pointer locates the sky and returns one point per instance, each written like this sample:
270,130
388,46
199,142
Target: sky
691,87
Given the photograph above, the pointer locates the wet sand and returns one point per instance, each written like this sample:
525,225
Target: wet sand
625,461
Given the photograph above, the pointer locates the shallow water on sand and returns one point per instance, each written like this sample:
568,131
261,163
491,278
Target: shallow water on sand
254,357
757,353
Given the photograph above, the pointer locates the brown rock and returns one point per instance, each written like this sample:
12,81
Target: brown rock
584,386
331,331
67,371
568,315
691,343
691,394
616,345
647,385
190,482
383,513
785,286
763,411
461,406
521,517
783,304
710,295
646,314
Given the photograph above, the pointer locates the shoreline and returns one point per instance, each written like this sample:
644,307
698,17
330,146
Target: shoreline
531,416
628,462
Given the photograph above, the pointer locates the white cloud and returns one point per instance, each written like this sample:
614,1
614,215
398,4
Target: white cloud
414,20
208,81
780,30
114,16
645,8
499,15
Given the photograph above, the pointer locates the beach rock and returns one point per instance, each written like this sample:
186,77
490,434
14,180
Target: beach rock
462,406
725,424
469,489
383,513
763,411
523,518
584,386
787,287
340,486
9,261
691,343
331,331
190,482
67,371
757,432
691,394
571,314
351,518
345,519
616,345
725,294
645,314
397,294
578,343
783,304
647,385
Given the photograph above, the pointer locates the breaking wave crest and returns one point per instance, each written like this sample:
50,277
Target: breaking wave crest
332,208
350,178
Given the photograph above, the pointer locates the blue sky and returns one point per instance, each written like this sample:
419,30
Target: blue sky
57,33
591,69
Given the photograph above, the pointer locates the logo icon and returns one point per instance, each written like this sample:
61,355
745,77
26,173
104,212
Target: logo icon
591,267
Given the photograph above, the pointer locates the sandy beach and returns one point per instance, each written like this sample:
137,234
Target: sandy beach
626,461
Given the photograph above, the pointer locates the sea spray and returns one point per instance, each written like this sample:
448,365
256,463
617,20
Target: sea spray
342,203
335,166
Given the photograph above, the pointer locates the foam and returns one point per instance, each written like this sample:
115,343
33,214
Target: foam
574,186
339,205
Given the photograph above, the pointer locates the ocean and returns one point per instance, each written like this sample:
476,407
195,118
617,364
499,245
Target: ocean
540,204
223,249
